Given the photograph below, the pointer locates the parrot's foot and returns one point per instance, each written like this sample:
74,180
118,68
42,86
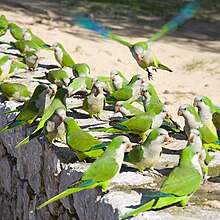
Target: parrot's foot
205,178
151,173
150,75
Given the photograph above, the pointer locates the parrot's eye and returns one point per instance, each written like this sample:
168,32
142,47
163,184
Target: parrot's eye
184,109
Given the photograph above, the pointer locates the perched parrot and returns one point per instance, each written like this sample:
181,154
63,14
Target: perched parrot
58,77
101,171
81,142
33,108
81,70
31,60
208,112
17,67
5,64
193,121
15,91
54,126
195,141
178,187
59,101
94,102
130,92
3,25
147,154
139,124
80,84
118,79
28,35
126,109
62,57
15,31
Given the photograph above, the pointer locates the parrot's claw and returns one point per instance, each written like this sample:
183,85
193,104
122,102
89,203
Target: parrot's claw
205,178
150,75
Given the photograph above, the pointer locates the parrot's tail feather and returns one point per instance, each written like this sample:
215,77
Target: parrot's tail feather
161,66
40,77
46,47
9,112
140,209
99,146
12,125
30,137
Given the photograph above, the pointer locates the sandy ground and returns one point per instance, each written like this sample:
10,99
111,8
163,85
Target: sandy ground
195,62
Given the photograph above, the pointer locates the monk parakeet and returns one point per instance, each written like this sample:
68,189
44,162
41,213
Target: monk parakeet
31,60
3,25
118,79
17,67
94,102
59,101
208,112
54,127
28,35
62,57
130,92
193,121
195,141
58,77
25,46
107,84
15,91
81,70
147,154
178,187
80,84
101,171
127,109
139,124
33,108
5,64
81,142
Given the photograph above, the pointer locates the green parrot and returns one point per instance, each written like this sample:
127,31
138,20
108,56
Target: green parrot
178,187
31,60
33,108
81,70
139,124
193,121
101,171
15,91
80,84
58,77
107,84
126,109
54,126
130,92
3,25
208,112
15,31
94,102
195,141
17,67
148,154
62,57
81,142
118,79
5,64
28,35
59,101
145,58
25,46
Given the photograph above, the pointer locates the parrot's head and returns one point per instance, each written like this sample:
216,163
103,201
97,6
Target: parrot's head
122,142
194,136
114,74
26,34
118,106
97,88
60,114
187,111
202,103
158,135
81,70
147,91
139,50
56,47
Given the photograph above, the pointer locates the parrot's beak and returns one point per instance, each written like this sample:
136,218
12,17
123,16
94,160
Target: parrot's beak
166,139
139,57
179,113
168,115
195,103
112,78
143,81
191,137
62,117
129,146
117,109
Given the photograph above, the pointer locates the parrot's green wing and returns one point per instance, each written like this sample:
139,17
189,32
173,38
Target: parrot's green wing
67,60
135,155
3,25
15,31
207,135
103,169
216,120
122,94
